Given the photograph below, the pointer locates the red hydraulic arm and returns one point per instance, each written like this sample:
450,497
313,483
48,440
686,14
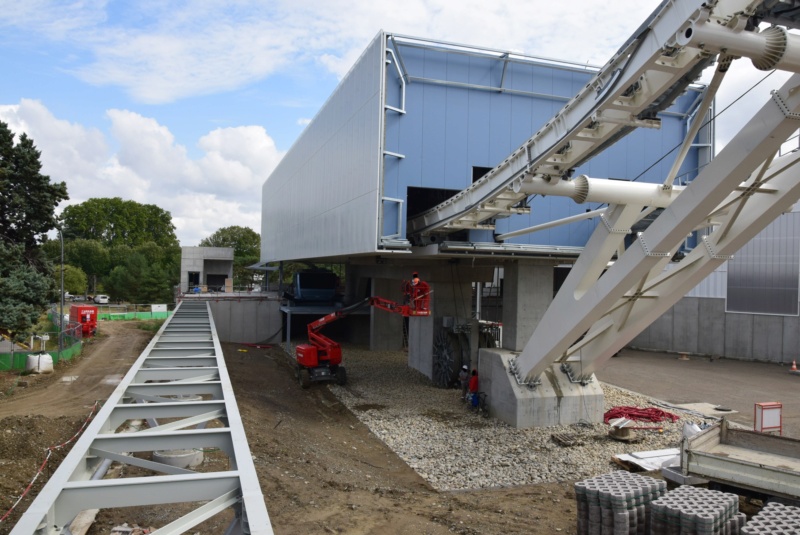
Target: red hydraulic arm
418,303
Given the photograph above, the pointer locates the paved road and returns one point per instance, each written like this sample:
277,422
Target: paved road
733,384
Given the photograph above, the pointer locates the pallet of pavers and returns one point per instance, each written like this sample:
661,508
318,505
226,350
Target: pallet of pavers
696,511
616,503
622,503
774,519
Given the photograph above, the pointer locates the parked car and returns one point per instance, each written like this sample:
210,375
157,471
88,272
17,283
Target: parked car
101,299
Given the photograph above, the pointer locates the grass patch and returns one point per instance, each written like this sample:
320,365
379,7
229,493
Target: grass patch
151,325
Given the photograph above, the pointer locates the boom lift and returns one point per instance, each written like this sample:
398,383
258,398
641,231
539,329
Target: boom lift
321,358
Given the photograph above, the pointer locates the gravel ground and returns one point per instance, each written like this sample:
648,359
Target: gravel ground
455,449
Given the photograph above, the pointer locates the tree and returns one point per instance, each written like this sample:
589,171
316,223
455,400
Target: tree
90,256
74,279
27,212
138,280
246,244
115,222
24,291
244,240
29,199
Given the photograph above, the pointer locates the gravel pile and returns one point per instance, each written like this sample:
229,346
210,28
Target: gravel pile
455,449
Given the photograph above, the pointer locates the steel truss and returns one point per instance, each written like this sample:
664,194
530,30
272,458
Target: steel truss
600,308
177,385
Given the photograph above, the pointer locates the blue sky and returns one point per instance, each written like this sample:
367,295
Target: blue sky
189,105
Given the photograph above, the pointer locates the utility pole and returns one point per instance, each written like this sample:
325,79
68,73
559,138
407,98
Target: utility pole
61,310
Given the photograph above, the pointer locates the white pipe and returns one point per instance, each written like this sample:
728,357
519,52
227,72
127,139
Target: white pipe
773,48
705,104
550,224
584,189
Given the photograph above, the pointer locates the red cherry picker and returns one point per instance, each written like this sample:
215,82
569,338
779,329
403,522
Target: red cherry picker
321,358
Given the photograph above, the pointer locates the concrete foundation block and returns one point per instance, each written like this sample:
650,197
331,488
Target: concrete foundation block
556,401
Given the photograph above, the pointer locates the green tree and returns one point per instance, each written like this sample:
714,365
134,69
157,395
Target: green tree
246,244
27,212
29,199
74,279
139,280
90,256
24,291
116,222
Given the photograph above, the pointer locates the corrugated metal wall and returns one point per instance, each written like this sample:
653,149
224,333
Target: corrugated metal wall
763,275
321,200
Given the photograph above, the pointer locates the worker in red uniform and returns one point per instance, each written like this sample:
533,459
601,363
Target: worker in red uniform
473,387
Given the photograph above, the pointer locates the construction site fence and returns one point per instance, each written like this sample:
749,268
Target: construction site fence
47,342
111,312
72,337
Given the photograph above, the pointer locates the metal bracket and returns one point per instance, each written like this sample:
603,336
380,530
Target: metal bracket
783,107
611,229
647,250
514,371
712,253
567,369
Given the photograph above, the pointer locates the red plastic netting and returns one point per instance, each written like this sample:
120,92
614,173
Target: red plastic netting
650,414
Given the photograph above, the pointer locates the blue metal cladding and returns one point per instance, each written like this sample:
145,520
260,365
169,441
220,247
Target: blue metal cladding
467,108
421,114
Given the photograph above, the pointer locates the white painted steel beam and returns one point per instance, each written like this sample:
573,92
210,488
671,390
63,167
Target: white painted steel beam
625,94
610,306
177,394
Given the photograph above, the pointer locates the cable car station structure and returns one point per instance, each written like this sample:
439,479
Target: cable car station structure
399,171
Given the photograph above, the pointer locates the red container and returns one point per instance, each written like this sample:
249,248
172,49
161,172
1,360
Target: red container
86,315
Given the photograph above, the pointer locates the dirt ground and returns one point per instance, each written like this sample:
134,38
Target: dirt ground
321,470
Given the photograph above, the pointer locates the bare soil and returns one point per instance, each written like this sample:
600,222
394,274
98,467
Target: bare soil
321,470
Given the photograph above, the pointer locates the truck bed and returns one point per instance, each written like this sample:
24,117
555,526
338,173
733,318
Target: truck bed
759,462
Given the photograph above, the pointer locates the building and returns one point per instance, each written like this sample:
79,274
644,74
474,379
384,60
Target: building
414,123
209,269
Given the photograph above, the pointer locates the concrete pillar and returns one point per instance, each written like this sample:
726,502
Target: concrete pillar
386,329
527,292
420,345
556,401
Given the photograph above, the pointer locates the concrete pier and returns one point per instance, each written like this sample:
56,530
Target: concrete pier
556,401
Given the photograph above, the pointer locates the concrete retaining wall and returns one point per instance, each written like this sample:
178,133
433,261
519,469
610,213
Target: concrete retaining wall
701,326
247,320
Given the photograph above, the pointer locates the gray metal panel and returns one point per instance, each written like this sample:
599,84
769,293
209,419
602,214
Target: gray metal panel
715,285
322,199
763,276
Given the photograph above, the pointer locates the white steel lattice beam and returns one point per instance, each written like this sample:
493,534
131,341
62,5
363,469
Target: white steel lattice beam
610,306
188,344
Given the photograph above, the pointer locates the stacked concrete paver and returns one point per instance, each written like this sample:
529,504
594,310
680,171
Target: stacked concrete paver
774,519
696,511
616,503
622,503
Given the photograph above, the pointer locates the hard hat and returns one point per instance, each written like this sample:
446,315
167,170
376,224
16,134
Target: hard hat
464,367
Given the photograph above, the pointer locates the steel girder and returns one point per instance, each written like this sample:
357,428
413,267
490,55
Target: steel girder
180,376
739,193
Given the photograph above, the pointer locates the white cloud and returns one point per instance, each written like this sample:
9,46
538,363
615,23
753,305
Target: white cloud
304,121
70,152
162,51
218,189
